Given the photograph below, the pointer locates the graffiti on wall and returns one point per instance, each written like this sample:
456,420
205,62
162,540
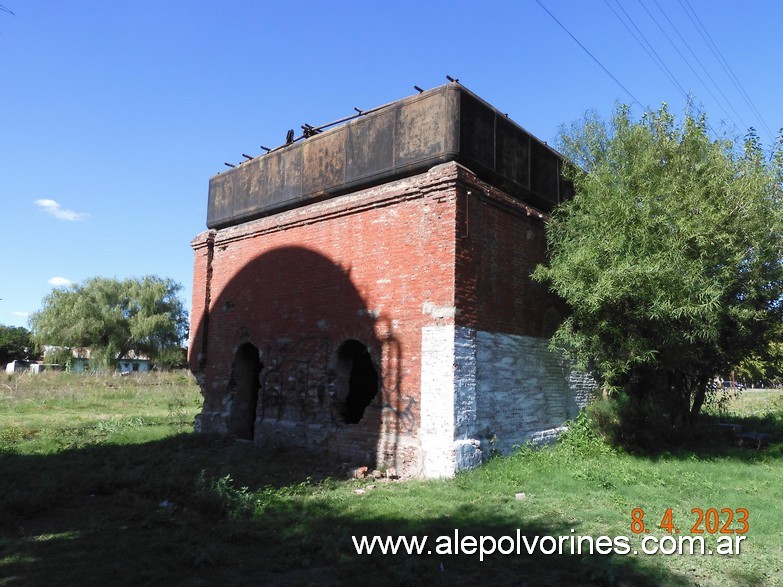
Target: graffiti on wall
296,380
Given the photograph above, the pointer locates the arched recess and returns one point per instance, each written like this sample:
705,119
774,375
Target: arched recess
245,383
357,380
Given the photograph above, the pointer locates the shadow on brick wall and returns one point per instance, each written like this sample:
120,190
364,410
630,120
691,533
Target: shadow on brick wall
290,354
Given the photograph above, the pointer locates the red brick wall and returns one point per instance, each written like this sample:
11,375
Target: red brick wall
374,266
499,243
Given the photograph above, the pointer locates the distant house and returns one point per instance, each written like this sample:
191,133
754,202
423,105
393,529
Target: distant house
134,363
18,366
80,361
40,367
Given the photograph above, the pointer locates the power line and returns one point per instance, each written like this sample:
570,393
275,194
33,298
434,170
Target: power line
703,67
685,60
719,56
593,57
648,47
651,52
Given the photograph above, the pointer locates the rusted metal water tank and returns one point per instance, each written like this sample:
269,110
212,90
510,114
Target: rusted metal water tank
447,123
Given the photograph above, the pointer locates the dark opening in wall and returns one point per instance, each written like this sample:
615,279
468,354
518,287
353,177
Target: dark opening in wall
245,382
357,380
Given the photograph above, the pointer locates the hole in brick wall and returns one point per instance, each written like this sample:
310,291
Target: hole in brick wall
357,379
245,381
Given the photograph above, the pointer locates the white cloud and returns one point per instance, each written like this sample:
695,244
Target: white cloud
53,208
60,281
21,314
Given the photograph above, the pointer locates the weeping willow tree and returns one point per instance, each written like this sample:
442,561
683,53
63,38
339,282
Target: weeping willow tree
669,256
113,317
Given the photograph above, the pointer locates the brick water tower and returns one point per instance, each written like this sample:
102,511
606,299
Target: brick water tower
365,290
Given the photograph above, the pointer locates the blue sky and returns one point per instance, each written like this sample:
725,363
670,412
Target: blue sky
114,115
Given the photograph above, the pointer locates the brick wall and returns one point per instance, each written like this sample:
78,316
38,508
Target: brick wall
375,266
432,275
494,382
499,243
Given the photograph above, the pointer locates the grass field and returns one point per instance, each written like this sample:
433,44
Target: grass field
102,483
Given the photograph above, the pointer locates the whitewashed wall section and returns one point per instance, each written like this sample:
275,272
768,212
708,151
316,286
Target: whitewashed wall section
483,392
437,401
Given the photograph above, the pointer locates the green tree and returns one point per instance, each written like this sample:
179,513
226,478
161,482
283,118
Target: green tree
113,317
669,256
15,343
763,367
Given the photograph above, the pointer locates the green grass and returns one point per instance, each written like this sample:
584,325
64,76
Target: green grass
102,483
43,413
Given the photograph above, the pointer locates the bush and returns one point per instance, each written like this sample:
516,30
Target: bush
584,436
669,256
634,423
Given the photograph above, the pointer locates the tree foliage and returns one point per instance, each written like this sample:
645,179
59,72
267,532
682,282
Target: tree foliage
113,317
764,368
15,343
669,256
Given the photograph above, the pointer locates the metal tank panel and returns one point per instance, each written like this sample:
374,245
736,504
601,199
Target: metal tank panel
448,123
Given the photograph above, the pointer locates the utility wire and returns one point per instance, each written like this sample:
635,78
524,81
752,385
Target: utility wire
714,48
652,53
727,67
703,67
648,48
593,57
688,63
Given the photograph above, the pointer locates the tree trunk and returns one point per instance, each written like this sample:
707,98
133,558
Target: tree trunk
699,395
